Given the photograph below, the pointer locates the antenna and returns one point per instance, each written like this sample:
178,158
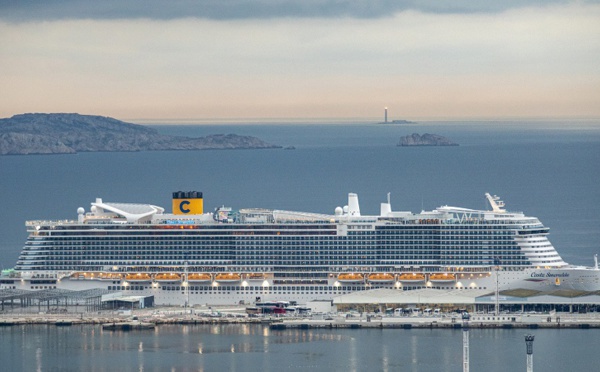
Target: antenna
495,202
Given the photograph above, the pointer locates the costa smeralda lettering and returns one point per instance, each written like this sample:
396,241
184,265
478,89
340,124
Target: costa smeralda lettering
549,275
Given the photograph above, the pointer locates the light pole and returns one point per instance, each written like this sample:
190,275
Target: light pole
465,328
497,269
186,286
529,343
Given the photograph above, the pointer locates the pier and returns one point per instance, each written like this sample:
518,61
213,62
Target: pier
237,315
526,321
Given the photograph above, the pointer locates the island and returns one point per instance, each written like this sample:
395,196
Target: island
401,122
67,133
425,140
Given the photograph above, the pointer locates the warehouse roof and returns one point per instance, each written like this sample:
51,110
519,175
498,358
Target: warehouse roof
463,296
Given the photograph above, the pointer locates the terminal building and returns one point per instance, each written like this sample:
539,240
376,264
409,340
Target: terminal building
478,300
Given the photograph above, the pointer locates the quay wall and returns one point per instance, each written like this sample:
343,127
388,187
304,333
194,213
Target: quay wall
236,316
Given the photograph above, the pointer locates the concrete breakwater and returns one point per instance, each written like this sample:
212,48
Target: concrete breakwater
235,316
13,321
479,321
431,325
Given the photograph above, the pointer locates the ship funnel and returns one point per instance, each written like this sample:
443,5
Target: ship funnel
353,207
386,208
187,202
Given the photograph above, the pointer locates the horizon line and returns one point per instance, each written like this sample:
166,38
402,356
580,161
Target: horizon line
342,120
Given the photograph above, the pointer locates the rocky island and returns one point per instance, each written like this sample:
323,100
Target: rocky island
398,122
72,133
425,140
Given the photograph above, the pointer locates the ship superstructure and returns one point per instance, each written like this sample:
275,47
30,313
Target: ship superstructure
230,255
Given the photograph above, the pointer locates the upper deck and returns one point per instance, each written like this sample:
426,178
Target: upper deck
103,213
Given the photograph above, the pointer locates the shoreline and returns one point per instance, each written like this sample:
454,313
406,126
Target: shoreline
236,315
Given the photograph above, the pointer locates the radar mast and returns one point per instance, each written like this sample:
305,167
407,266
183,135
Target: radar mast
496,203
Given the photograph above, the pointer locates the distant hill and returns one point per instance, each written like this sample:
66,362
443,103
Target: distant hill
72,133
426,140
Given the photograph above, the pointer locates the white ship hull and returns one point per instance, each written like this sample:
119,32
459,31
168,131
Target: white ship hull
578,279
301,256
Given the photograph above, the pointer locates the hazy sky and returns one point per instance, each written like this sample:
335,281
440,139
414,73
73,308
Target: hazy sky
301,59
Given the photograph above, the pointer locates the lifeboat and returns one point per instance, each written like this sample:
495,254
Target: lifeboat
228,278
351,278
381,278
78,276
255,276
109,276
86,276
199,278
167,277
138,278
412,278
442,278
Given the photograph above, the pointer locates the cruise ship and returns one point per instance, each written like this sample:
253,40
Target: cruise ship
228,256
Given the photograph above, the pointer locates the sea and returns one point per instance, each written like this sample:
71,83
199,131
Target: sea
207,348
546,168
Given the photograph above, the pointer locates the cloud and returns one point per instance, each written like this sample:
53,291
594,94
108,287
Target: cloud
38,10
522,62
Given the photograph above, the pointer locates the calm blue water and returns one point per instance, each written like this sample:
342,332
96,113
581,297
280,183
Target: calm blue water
540,168
254,348
537,167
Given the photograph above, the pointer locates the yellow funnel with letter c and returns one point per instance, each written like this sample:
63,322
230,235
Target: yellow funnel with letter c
188,202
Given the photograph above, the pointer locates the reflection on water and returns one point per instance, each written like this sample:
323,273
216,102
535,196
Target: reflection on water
256,347
38,359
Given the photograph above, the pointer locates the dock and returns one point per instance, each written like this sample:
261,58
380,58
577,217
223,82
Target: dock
568,321
231,315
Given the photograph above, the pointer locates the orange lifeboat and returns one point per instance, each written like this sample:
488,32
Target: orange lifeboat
109,276
255,276
138,278
442,278
351,278
84,275
412,278
199,277
167,277
228,278
381,278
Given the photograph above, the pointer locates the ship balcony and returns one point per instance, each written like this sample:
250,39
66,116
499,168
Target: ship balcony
541,255
33,255
31,262
36,249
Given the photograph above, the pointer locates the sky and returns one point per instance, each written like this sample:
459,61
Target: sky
313,59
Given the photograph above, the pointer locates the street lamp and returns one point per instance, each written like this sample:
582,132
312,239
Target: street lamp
529,343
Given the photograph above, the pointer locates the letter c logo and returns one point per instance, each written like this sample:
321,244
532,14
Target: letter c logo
182,206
